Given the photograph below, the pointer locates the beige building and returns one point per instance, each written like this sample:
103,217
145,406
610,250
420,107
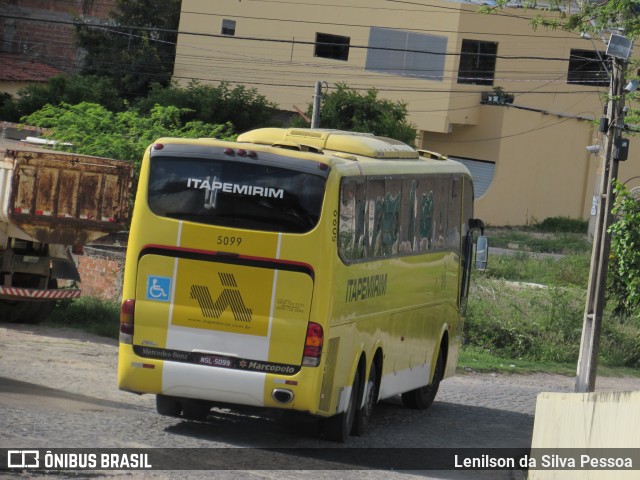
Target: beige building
443,59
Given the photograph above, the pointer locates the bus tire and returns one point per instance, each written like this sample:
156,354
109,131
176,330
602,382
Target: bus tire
168,406
422,398
338,427
370,393
195,409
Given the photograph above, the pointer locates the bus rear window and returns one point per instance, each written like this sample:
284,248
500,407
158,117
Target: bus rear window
235,194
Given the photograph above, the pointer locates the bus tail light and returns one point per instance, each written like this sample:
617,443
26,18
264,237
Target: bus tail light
313,345
126,321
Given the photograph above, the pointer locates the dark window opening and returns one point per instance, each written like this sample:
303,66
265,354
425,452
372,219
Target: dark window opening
477,62
587,67
228,27
332,46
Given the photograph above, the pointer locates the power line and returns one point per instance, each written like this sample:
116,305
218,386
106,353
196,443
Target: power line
316,22
285,41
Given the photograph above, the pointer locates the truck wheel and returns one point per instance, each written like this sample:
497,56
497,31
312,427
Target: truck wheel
16,312
338,427
39,313
422,398
28,312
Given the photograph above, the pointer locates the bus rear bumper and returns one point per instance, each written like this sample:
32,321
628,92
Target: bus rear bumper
224,385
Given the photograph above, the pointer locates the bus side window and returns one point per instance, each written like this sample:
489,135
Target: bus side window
391,217
375,211
347,221
454,220
351,222
409,216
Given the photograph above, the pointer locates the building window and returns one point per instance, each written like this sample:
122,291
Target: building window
228,27
477,62
586,67
398,52
332,46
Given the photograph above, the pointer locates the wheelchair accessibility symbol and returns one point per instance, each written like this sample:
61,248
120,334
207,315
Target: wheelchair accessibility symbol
158,288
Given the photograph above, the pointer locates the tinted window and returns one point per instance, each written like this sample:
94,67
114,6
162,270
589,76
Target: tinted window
235,194
387,216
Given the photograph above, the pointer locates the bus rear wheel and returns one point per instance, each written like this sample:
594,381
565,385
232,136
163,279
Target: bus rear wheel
195,409
422,398
169,406
339,427
370,394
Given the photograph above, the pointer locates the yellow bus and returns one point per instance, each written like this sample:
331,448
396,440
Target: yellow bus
311,270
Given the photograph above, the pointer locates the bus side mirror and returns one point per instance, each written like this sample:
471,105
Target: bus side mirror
482,252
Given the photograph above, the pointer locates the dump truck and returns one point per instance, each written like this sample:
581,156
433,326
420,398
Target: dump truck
51,204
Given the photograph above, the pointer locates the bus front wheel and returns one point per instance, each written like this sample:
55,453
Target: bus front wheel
422,398
339,426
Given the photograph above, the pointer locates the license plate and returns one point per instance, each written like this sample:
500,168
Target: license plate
215,361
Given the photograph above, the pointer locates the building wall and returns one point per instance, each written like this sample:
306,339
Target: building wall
536,175
11,87
101,274
542,168
48,41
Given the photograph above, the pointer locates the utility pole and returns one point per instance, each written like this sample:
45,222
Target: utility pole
315,117
613,125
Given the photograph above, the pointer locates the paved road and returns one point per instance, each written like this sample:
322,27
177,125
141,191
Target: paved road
58,389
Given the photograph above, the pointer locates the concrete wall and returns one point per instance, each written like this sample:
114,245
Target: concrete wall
602,420
51,41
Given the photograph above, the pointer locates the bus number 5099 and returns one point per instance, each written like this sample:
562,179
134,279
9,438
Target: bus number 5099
229,241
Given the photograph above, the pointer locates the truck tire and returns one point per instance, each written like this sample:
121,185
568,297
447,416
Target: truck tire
28,312
39,313
16,311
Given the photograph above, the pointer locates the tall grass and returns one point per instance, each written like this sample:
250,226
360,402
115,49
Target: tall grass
532,308
570,270
93,315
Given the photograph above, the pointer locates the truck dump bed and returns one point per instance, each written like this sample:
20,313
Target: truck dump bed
61,198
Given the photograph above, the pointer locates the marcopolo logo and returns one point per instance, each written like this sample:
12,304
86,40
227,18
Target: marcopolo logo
230,297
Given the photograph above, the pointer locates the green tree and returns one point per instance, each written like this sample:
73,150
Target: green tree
347,109
624,260
93,130
243,107
583,16
137,50
71,89
8,109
